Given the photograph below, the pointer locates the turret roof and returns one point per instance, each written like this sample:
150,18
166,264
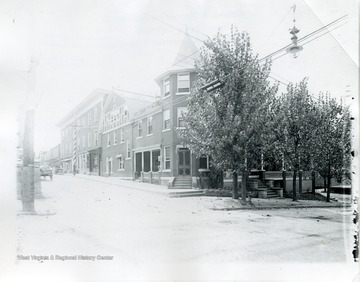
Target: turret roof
185,58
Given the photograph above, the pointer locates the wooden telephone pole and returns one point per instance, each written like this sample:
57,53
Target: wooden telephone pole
28,187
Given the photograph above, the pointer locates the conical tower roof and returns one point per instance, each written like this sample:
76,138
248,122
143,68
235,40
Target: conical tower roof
187,54
185,58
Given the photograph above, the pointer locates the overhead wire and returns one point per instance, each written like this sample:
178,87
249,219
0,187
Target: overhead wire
330,33
264,58
272,33
305,37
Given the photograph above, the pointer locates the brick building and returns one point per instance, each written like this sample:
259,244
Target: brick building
148,140
122,135
80,146
117,133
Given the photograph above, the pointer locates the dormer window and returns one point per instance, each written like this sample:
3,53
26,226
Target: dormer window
183,85
166,87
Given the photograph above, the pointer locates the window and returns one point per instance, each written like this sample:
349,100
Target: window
108,141
166,88
183,83
109,165
166,158
166,119
89,118
89,143
128,149
121,162
95,115
149,126
96,138
122,135
181,113
115,138
204,162
140,129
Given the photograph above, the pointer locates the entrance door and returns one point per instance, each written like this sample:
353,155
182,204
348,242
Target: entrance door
109,166
138,164
184,162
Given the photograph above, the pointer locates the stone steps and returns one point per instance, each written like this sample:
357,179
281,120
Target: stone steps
182,183
270,193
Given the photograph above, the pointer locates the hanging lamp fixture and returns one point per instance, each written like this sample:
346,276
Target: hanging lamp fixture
294,49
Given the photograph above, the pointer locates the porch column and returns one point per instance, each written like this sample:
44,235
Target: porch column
142,161
151,163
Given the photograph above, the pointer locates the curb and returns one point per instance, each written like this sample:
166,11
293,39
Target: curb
281,207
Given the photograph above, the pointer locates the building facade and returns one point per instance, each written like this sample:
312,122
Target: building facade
148,140
117,132
80,146
112,133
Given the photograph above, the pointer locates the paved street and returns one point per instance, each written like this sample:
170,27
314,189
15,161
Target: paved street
83,217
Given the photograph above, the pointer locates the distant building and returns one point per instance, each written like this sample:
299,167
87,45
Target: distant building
54,156
43,158
80,146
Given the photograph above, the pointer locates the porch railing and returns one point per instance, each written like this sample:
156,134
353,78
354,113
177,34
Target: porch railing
151,177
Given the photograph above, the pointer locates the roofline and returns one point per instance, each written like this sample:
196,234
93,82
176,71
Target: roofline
93,96
168,72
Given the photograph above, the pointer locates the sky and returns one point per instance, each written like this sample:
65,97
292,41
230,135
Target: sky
55,53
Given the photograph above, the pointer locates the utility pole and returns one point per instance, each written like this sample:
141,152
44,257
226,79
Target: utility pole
28,188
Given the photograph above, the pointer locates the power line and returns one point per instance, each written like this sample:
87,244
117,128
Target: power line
136,93
303,38
172,26
328,31
277,26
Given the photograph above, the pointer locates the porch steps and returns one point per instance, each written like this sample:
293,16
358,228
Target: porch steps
270,193
182,182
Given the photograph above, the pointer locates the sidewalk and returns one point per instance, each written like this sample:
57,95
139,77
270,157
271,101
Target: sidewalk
275,203
152,188
224,203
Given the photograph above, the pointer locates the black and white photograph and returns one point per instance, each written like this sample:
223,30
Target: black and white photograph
179,140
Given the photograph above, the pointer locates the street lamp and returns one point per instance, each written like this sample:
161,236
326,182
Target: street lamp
294,49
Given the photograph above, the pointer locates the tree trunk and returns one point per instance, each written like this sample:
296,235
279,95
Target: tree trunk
300,182
328,186
325,184
294,185
313,182
243,186
221,179
284,181
235,185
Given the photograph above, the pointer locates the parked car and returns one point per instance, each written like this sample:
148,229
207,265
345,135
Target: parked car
46,171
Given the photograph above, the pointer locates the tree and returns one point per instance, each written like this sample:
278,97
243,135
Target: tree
293,126
331,143
222,123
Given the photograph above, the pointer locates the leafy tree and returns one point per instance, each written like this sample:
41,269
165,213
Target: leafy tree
293,117
331,142
224,122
